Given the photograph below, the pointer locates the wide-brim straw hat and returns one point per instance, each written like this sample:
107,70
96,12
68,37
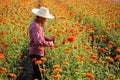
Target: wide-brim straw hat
43,12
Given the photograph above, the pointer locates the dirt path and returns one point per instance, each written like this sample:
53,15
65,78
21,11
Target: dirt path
27,71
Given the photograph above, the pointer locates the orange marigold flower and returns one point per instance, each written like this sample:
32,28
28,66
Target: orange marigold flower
64,42
57,70
92,60
3,70
96,36
20,54
13,75
71,38
90,75
34,59
76,47
102,36
99,61
110,76
25,57
57,76
81,55
56,66
77,57
105,63
76,70
111,42
2,56
88,47
20,67
67,50
110,59
82,59
118,49
118,57
65,63
38,62
53,75
102,49
94,56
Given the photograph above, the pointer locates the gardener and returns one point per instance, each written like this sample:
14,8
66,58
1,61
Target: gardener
37,39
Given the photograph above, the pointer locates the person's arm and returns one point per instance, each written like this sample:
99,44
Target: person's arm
39,38
49,39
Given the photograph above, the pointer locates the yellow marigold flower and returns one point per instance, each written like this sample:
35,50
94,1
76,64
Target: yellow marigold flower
44,59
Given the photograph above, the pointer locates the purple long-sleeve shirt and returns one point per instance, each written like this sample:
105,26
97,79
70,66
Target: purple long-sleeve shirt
37,39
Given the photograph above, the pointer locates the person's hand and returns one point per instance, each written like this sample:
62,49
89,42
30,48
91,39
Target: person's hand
52,44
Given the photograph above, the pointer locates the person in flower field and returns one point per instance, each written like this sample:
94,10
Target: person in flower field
38,41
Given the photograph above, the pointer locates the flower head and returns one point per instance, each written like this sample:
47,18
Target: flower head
110,59
13,75
71,38
90,75
38,62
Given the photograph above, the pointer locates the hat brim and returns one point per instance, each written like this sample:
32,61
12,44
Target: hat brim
36,12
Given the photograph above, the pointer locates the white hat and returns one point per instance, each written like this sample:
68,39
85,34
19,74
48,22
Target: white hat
43,12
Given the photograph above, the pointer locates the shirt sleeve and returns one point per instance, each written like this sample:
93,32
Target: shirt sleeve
48,39
38,37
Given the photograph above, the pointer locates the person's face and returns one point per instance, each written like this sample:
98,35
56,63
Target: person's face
41,19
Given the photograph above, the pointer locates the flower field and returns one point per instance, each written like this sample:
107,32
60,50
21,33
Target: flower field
87,39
